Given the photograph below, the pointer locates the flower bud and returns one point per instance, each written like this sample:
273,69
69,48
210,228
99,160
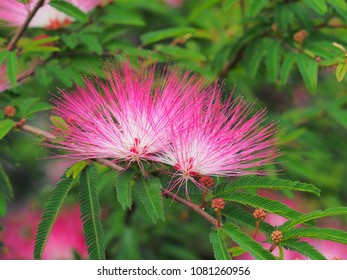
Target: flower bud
259,214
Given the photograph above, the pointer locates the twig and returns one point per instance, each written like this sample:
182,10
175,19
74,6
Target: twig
194,207
106,162
13,43
36,131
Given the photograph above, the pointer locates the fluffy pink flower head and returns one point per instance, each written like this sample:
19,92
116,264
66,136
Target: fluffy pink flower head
125,118
220,139
15,12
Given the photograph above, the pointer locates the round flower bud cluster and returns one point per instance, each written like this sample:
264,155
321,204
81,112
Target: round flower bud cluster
218,204
259,214
9,111
277,236
206,181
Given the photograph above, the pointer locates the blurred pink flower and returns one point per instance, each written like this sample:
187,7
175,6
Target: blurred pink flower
14,13
20,227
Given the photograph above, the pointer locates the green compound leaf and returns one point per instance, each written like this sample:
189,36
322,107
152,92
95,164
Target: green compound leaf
335,235
260,182
124,184
50,214
90,213
266,204
318,6
273,58
242,218
5,127
303,248
149,193
69,9
219,247
246,242
314,215
308,69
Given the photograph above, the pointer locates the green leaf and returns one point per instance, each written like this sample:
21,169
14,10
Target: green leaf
308,69
149,193
41,49
256,53
3,56
3,205
241,217
122,17
266,204
90,213
287,67
219,247
76,169
341,70
39,45
181,53
38,107
50,214
59,122
11,65
257,6
318,6
69,9
236,251
261,182
227,4
303,248
155,36
314,215
124,184
26,104
5,127
92,43
339,5
71,40
246,242
5,183
332,234
273,58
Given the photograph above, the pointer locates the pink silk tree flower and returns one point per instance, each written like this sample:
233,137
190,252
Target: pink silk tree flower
14,13
220,139
126,118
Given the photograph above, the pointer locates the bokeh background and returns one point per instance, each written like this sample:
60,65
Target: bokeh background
288,56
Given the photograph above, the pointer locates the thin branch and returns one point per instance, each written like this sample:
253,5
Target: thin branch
106,162
13,43
194,207
36,131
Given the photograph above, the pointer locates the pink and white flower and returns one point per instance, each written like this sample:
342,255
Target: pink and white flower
14,13
125,118
219,140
